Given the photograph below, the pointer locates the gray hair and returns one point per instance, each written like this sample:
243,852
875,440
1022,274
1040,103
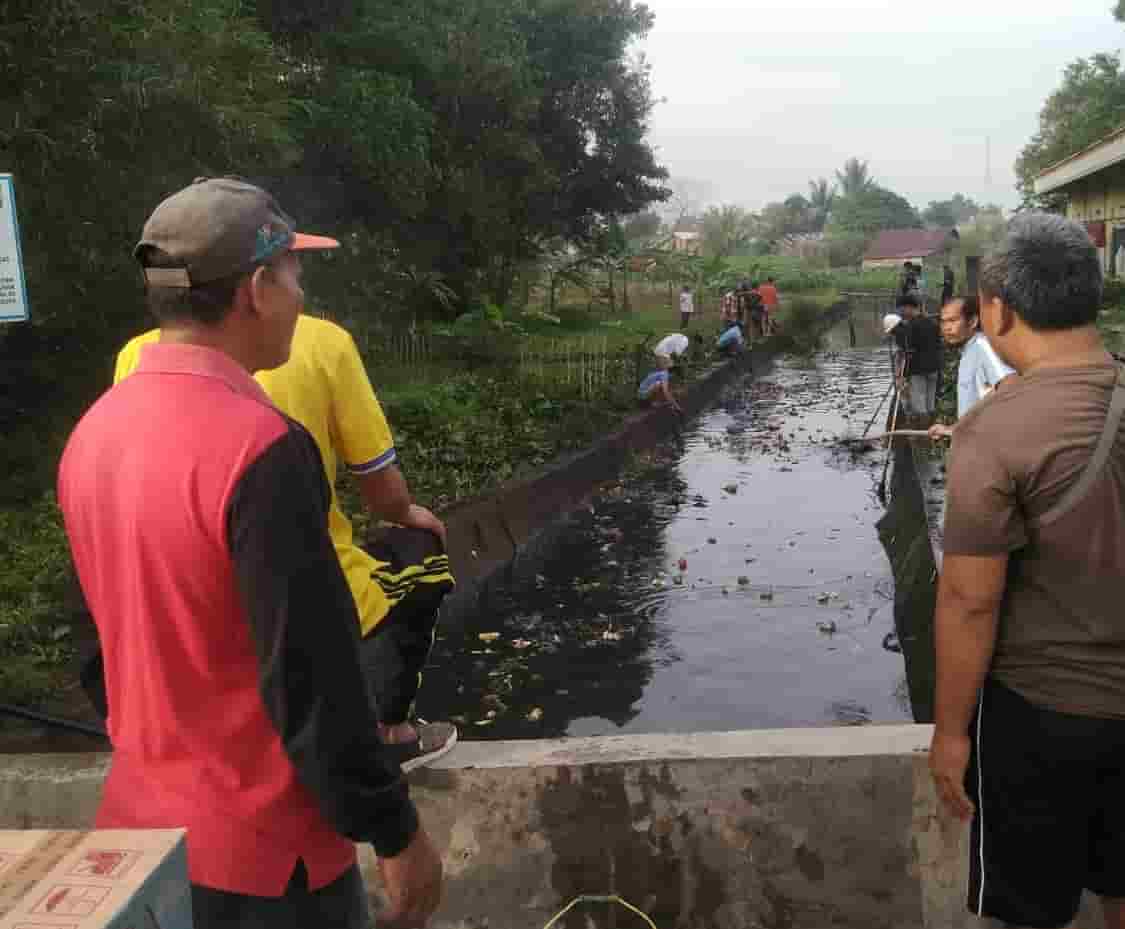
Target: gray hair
1047,271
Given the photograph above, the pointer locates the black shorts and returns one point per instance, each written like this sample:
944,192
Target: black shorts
1049,789
340,905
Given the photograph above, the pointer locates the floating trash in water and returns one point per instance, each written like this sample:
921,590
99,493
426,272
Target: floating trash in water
891,643
828,628
682,564
611,635
535,715
767,595
521,643
678,580
489,636
712,541
730,488
484,722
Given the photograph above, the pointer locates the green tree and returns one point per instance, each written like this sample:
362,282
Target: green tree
727,230
953,212
642,227
1089,105
821,197
870,211
855,178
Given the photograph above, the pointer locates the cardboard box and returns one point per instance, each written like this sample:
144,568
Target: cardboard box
105,879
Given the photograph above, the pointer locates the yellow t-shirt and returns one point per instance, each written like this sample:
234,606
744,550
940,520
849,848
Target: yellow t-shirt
325,387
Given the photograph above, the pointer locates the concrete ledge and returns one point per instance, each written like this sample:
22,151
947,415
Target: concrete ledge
849,742
800,828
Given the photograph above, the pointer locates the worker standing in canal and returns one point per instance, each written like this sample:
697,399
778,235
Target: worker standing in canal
197,516
920,340
1029,737
947,284
979,369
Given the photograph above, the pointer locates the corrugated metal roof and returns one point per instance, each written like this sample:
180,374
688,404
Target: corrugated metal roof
908,243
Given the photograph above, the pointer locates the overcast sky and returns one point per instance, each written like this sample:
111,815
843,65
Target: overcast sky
762,95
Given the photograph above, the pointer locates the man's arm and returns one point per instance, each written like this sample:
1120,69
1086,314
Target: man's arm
968,608
305,631
363,440
387,496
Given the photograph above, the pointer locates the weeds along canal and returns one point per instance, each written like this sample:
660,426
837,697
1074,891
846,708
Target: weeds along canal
731,579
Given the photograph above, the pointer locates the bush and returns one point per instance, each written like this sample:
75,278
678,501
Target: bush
1113,293
802,329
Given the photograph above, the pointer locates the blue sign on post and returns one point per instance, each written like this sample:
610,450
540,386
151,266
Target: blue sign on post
13,287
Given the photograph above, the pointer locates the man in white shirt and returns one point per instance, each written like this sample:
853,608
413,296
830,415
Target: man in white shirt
980,368
687,306
672,345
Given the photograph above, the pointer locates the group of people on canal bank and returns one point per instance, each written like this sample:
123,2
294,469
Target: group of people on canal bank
752,306
258,666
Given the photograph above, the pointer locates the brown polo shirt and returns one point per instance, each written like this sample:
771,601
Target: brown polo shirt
1062,623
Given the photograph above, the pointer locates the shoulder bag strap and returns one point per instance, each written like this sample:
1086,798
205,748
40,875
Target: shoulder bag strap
1094,467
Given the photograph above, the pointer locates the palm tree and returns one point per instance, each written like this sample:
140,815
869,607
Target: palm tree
821,198
855,178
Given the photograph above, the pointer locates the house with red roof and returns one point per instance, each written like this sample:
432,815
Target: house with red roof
892,247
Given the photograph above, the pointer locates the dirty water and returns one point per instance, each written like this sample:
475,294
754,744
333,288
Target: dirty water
733,579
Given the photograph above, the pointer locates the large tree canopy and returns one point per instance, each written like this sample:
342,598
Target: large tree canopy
871,210
1089,105
446,143
952,212
727,230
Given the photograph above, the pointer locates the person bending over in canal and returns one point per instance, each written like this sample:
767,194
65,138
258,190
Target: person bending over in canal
656,388
197,516
980,369
1029,741
672,345
731,341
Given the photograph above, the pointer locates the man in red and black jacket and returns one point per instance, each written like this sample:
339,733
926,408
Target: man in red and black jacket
197,517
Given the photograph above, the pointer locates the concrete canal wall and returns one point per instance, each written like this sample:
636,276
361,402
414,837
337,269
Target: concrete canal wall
786,829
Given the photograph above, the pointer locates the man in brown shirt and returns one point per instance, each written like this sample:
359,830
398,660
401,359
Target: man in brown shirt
1029,739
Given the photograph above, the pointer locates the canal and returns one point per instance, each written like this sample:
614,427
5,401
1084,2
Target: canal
731,579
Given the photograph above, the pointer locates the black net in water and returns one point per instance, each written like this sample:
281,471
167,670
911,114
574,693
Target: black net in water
905,538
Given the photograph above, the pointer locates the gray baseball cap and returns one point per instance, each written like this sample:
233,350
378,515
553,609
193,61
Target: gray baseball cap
218,227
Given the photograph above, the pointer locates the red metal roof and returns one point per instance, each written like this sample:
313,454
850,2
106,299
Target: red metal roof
908,243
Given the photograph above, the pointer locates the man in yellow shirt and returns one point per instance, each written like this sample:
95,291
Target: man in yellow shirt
399,584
